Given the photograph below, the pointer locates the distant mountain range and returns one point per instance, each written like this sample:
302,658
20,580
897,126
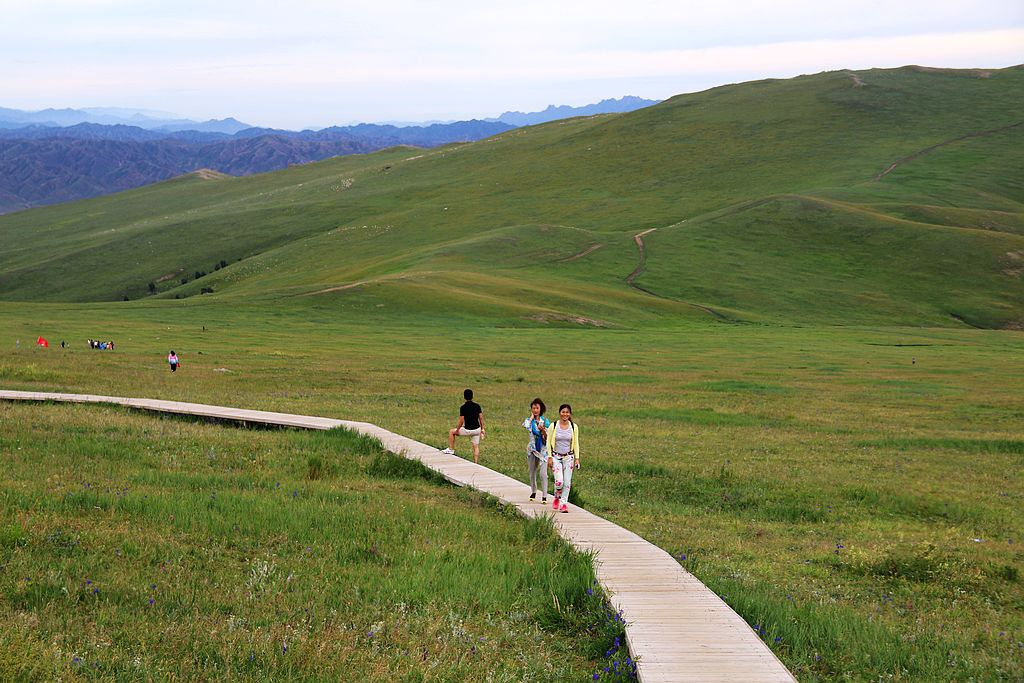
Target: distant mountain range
553,113
113,116
58,155
40,165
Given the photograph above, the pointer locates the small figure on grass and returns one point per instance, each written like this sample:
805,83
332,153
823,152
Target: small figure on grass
537,425
563,455
471,424
172,360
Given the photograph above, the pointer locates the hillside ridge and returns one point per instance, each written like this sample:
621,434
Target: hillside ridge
767,196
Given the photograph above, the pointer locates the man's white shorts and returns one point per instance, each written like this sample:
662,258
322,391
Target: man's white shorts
474,433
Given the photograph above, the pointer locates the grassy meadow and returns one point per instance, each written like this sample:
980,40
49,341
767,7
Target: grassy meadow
855,493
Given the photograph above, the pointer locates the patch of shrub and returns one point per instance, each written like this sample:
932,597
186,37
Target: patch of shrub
12,536
1006,572
61,541
315,468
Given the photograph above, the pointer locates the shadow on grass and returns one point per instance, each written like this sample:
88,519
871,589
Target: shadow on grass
961,445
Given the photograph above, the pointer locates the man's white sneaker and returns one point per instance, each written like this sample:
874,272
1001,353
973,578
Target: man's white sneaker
448,451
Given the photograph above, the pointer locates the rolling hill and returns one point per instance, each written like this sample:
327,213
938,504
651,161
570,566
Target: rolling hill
879,196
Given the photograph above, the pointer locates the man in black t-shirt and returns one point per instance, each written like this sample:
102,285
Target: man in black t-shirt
471,424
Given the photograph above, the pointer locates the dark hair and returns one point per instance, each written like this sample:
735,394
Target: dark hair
562,407
468,394
538,402
172,352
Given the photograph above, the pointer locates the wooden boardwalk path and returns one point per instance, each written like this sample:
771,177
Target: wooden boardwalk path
676,627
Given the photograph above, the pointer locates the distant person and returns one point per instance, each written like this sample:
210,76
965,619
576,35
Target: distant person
172,360
471,424
536,448
563,455
110,344
62,344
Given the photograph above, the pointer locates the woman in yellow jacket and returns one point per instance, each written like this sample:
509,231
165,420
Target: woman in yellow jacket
563,454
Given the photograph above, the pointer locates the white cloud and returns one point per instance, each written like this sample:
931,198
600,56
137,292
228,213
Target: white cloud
411,60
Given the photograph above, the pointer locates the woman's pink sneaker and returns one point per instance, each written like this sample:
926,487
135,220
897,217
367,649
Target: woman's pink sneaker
564,508
554,503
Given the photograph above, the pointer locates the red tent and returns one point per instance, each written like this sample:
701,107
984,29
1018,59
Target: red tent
42,342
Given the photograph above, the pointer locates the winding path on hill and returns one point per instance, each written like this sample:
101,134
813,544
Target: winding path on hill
586,252
631,278
639,239
920,153
676,628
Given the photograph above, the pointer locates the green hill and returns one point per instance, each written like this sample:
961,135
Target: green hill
891,196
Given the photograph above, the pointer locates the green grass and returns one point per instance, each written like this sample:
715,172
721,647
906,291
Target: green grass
28,372
754,449
138,546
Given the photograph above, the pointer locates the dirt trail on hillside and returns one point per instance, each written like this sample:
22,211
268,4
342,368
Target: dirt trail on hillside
360,283
639,239
631,278
910,157
589,250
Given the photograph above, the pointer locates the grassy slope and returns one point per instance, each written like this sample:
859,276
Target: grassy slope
503,214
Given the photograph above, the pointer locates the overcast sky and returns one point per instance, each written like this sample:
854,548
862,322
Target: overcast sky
314,63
